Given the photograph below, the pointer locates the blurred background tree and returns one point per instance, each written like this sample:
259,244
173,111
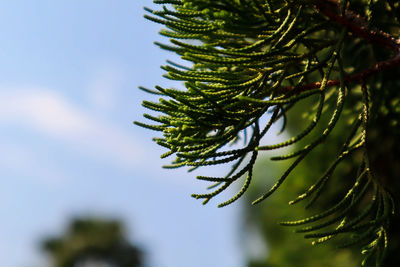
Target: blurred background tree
285,249
93,242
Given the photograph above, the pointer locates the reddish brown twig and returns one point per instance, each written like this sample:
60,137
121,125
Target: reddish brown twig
357,26
380,66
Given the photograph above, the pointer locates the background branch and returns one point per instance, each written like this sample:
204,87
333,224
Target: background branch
358,26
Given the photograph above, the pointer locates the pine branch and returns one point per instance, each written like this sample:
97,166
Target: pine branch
358,26
252,59
357,77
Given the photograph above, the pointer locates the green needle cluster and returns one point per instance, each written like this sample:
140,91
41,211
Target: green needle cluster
247,60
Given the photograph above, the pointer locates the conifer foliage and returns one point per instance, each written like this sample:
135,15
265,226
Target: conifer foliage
248,63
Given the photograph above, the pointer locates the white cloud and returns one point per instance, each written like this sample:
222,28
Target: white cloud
45,111
56,117
104,86
23,162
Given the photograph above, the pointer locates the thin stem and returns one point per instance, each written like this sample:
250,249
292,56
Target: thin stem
380,66
356,25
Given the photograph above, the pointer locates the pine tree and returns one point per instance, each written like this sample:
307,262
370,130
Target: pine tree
93,242
249,63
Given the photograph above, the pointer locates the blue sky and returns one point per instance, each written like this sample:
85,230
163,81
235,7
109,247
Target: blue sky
69,72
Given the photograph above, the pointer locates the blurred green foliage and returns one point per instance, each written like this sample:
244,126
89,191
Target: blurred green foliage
285,249
93,242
